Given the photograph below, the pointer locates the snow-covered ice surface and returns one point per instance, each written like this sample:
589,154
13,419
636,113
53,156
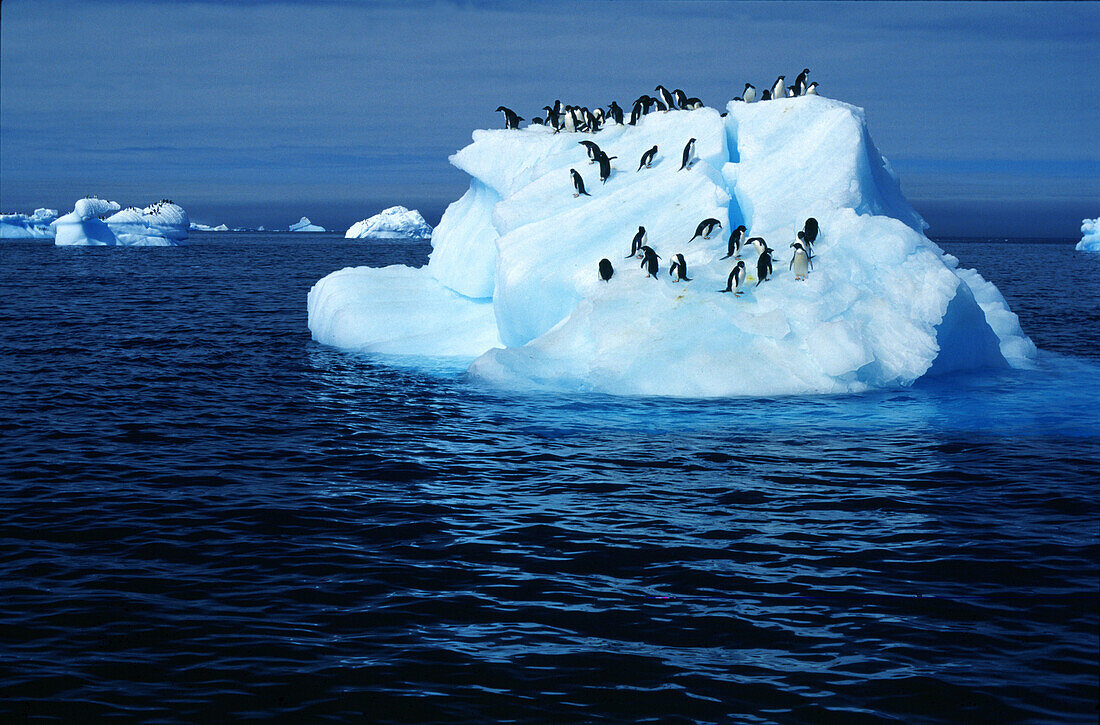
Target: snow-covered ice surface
882,307
305,225
1090,236
28,226
397,222
195,227
162,224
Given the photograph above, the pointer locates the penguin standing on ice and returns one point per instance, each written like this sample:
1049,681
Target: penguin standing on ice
606,270
592,149
811,90
810,230
734,248
647,158
800,262
649,262
750,93
736,279
779,88
681,98
692,104
758,244
605,166
511,120
763,265
638,243
636,112
689,152
578,183
800,82
615,113
705,228
553,118
666,98
679,268
766,95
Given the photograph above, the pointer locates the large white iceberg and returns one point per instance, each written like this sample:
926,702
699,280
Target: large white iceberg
305,225
28,226
512,282
162,224
1090,236
397,222
196,227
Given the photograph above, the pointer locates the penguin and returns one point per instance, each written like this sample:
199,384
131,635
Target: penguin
649,262
647,158
736,279
636,113
681,98
569,120
616,113
511,120
592,149
679,268
536,120
800,82
811,90
553,118
661,106
792,92
689,151
606,270
637,244
578,183
592,124
766,95
763,265
758,244
802,240
800,262
734,249
598,115
665,97
605,166
692,104
705,228
750,93
779,89
810,230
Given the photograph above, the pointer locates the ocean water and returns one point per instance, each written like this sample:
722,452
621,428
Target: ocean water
205,516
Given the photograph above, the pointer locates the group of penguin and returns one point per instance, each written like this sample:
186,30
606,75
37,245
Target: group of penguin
596,155
780,89
801,262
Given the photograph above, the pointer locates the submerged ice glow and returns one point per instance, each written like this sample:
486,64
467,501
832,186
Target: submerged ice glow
513,286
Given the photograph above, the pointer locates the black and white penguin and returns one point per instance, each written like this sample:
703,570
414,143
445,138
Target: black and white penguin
679,268
605,166
569,120
661,105
689,151
637,112
592,149
598,115
779,88
647,158
800,262
811,90
800,82
766,95
692,104
536,120
606,270
649,262
591,123
705,228
734,248
511,120
758,244
792,92
615,112
681,98
553,118
763,265
810,230
750,93
736,279
664,96
578,183
637,244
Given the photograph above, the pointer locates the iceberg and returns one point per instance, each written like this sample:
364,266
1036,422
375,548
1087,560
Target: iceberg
305,225
163,224
397,222
28,226
195,227
511,285
1090,236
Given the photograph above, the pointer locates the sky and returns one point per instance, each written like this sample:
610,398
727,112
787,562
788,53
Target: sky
260,112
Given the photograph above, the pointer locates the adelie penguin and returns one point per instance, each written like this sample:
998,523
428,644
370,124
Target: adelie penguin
679,269
779,88
592,149
615,113
800,262
750,93
665,97
638,243
766,95
810,230
637,112
736,279
758,244
681,98
511,120
649,262
605,166
734,247
800,82
606,270
578,183
647,158
705,228
811,90
689,152
763,265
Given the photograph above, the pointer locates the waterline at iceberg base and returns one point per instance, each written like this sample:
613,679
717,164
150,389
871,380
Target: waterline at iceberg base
511,288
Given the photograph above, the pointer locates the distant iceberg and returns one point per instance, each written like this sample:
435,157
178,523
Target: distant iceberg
207,228
28,226
305,225
397,222
1090,236
162,224
511,288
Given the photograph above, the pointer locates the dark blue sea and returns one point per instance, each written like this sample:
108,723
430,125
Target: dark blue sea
207,517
